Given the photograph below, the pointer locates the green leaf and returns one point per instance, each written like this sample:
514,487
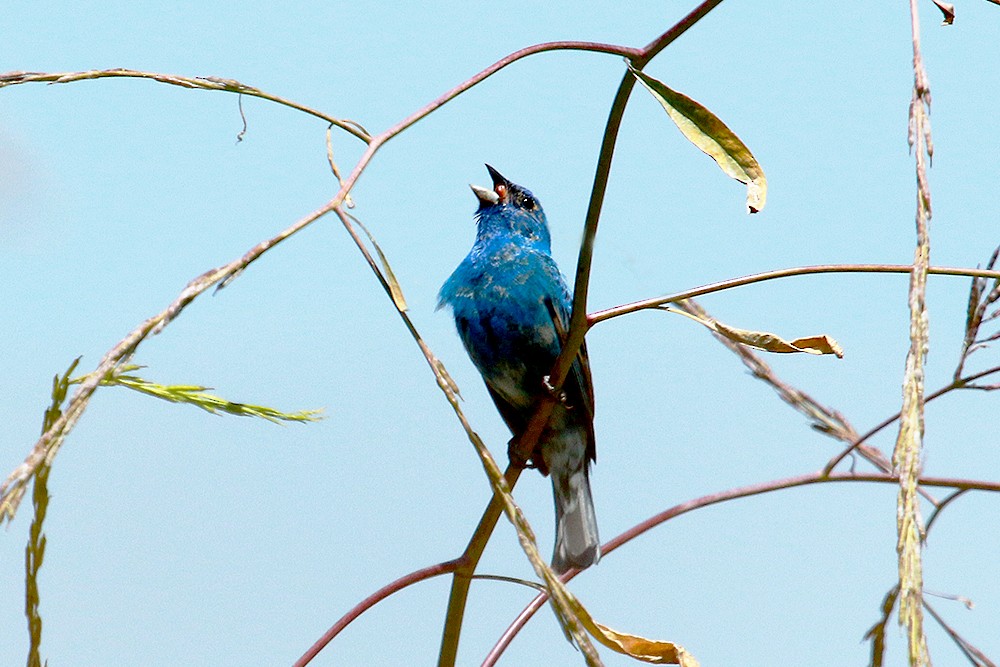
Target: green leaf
199,397
704,129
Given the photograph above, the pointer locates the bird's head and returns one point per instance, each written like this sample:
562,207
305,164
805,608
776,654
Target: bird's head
508,209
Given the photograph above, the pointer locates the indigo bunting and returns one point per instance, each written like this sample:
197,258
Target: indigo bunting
512,308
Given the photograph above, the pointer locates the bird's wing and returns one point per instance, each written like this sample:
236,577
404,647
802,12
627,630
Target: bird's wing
579,385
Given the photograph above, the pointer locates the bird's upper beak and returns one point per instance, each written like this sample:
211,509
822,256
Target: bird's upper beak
498,195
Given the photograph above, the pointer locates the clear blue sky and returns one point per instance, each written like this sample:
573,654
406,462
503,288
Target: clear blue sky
178,537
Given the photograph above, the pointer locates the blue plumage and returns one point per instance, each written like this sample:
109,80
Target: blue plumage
511,306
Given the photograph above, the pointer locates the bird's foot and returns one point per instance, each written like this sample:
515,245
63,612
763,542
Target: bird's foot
558,395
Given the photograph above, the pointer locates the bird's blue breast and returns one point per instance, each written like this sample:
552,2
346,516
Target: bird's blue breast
502,295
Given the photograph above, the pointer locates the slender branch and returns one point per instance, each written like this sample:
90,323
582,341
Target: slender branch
682,26
957,384
579,323
824,419
371,601
383,137
462,580
613,49
724,496
976,657
200,82
937,510
979,301
656,302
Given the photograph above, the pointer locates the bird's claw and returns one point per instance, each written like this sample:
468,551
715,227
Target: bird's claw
558,395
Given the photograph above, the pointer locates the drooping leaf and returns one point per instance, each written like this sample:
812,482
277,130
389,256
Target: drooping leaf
390,278
706,131
764,340
770,342
653,651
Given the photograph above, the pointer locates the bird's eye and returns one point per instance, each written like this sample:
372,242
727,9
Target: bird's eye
528,202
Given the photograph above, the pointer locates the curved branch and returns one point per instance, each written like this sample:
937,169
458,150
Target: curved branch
957,384
656,302
371,601
383,137
937,510
200,82
579,321
715,499
613,49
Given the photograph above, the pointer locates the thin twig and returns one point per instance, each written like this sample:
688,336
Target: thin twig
371,601
198,82
937,510
656,302
962,383
979,301
973,654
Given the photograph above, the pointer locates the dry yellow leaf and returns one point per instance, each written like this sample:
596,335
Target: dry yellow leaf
770,342
653,651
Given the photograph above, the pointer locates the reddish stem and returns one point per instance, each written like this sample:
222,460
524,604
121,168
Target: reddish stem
370,601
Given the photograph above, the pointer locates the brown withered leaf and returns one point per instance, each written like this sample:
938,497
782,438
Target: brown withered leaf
770,342
653,651
763,340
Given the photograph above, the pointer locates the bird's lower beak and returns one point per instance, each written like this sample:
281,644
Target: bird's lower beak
485,196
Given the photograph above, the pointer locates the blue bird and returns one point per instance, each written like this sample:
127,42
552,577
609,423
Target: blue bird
512,309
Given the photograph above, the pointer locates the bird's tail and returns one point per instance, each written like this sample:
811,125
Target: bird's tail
577,542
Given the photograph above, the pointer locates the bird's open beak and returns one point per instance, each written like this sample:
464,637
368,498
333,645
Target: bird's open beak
498,195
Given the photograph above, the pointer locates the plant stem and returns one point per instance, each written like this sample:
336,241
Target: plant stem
371,601
656,302
956,384
462,578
